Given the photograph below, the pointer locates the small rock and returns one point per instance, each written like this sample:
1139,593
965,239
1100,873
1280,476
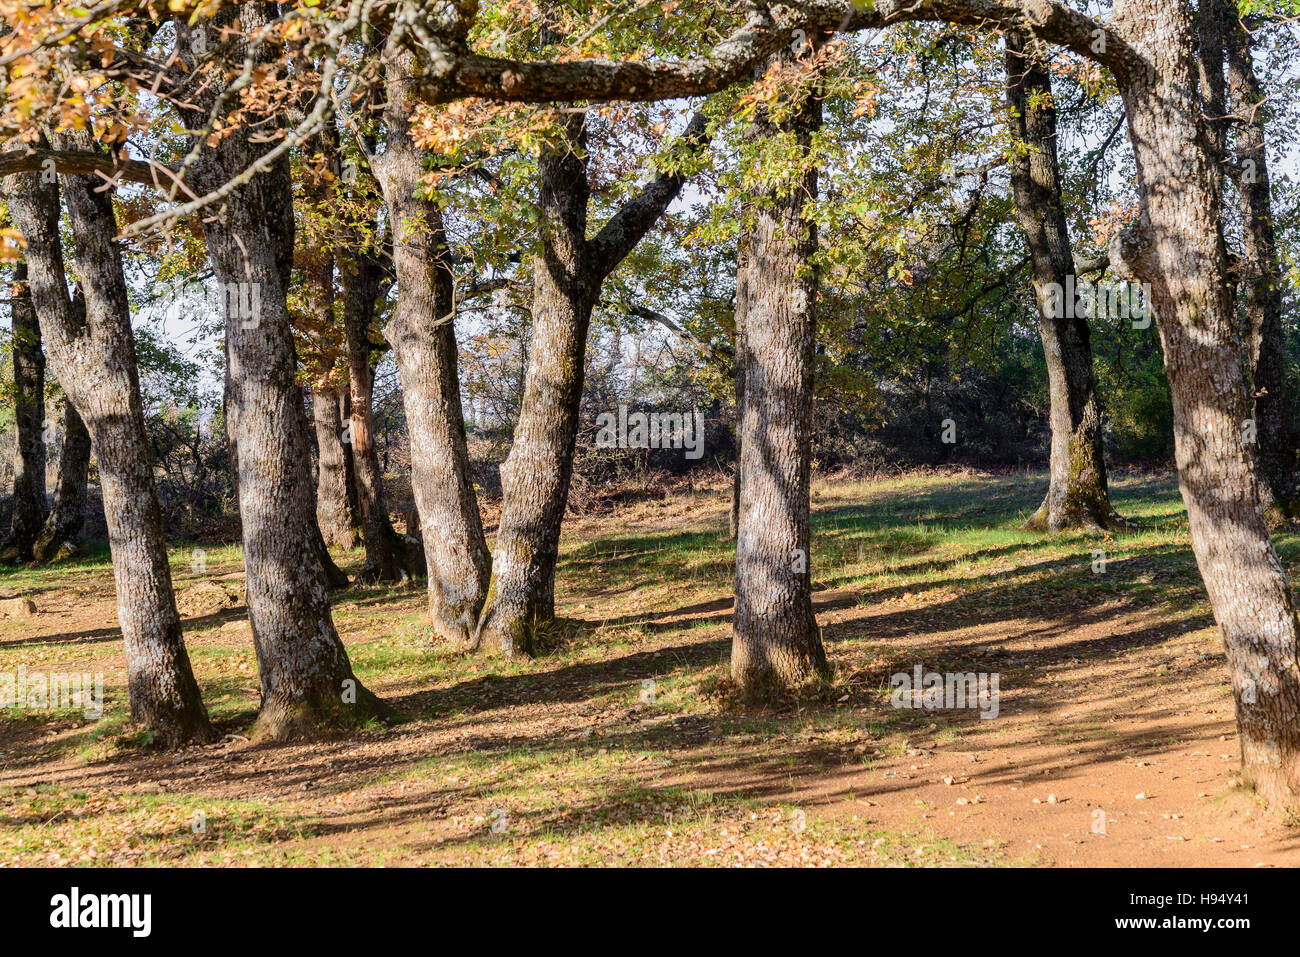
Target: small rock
17,607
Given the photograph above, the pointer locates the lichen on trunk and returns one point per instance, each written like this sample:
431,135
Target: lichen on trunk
423,337
776,643
1077,494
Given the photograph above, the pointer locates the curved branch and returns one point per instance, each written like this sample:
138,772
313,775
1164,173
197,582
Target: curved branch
457,73
82,162
625,229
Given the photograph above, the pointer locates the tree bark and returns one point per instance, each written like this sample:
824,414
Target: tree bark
536,474
1177,246
386,558
423,336
29,424
68,513
776,644
1261,276
93,357
335,577
1077,495
307,681
567,278
332,512
738,374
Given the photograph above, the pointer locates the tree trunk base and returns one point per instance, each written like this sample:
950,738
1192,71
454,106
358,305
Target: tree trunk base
173,729
457,626
1087,515
285,718
775,682
507,628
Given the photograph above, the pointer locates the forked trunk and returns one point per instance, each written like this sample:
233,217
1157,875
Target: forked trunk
1077,493
93,357
423,336
29,426
567,278
776,644
1178,248
68,513
535,476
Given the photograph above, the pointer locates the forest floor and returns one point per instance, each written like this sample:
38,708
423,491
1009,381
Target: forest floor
1114,741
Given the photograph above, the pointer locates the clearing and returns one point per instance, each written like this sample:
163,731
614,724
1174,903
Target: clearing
1114,741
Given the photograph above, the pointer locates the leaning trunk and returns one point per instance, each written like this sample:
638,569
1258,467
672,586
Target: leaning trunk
29,424
69,511
776,644
1077,493
1177,246
423,336
93,357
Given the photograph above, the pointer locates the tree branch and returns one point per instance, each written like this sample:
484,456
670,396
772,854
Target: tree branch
625,229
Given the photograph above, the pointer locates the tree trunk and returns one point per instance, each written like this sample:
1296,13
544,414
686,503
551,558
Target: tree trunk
1077,494
93,357
69,512
738,376
1178,247
335,577
1261,276
307,680
423,336
385,555
536,474
776,644
332,473
29,424
567,278
350,470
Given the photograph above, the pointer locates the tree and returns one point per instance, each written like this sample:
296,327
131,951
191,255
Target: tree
776,643
423,336
334,474
1260,274
92,353
365,283
568,273
307,680
68,512
320,342
1077,493
29,419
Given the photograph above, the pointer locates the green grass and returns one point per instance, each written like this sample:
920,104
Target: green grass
932,550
